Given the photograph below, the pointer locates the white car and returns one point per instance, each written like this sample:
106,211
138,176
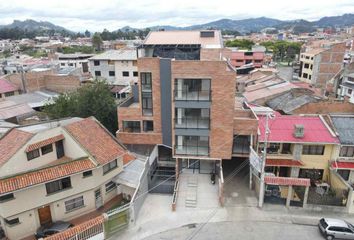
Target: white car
332,228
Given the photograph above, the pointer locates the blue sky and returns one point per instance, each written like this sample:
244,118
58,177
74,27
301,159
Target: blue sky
79,15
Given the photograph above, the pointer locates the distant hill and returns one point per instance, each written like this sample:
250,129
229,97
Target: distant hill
32,25
257,24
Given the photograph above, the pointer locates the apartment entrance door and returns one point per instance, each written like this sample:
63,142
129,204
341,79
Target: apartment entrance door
45,215
98,198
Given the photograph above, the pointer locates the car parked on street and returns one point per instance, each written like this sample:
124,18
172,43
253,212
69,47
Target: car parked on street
332,228
52,228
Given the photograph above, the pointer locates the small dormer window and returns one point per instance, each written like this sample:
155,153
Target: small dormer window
33,154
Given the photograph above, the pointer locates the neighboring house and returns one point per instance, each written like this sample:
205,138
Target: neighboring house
7,89
344,164
298,146
76,60
347,87
242,57
56,171
319,64
116,66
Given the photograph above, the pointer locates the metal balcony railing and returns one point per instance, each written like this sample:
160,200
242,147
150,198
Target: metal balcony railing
191,150
194,95
192,122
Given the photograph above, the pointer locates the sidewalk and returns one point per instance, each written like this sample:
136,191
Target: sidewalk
156,216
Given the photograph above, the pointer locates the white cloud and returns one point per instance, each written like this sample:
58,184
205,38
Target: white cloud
79,15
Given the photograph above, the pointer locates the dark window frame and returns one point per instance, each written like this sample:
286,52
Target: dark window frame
313,149
110,186
12,222
111,73
147,128
87,174
125,74
74,203
7,197
97,73
33,154
110,166
58,185
96,63
47,149
131,126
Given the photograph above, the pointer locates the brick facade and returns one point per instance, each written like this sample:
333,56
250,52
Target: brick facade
223,99
45,80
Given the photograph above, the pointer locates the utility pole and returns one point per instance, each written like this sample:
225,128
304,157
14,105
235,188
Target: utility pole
261,187
20,69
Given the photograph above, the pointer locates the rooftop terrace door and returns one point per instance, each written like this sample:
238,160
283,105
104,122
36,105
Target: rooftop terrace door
60,149
45,215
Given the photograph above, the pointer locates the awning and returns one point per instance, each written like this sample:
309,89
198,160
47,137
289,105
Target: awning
44,142
342,165
287,181
283,163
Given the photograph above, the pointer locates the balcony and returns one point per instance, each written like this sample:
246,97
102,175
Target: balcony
191,95
192,122
191,150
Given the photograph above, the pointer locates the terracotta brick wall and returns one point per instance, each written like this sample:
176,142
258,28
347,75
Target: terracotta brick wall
223,87
331,62
325,108
45,80
134,113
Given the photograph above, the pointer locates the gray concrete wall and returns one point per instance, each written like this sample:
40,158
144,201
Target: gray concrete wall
166,111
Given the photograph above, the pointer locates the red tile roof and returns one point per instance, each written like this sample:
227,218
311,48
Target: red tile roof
96,140
286,181
94,224
6,86
44,142
11,142
127,158
44,175
283,162
282,129
342,165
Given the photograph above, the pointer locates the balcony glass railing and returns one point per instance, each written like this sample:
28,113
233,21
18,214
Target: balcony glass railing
193,122
190,95
191,150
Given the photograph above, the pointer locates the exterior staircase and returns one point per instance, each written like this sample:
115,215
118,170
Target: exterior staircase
192,187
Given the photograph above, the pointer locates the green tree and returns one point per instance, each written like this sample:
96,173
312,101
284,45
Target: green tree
87,33
240,43
97,41
90,100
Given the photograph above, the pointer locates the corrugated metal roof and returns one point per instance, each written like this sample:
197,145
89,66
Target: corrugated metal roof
345,128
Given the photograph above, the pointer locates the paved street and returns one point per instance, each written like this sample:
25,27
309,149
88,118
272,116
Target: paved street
241,230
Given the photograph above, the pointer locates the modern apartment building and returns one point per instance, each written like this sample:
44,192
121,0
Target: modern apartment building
56,171
115,66
185,99
320,64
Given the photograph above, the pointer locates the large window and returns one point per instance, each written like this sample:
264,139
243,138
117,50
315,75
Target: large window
148,125
131,126
146,94
192,89
273,148
98,73
347,151
7,197
192,145
313,149
58,185
146,82
110,186
33,154
74,203
47,149
110,166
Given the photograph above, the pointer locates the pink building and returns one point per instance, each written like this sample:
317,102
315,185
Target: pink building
242,57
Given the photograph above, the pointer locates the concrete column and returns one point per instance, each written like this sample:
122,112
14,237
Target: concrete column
306,195
289,197
179,88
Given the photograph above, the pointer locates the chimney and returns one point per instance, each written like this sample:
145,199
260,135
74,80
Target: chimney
299,131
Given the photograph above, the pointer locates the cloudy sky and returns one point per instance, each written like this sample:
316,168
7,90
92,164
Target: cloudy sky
79,15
